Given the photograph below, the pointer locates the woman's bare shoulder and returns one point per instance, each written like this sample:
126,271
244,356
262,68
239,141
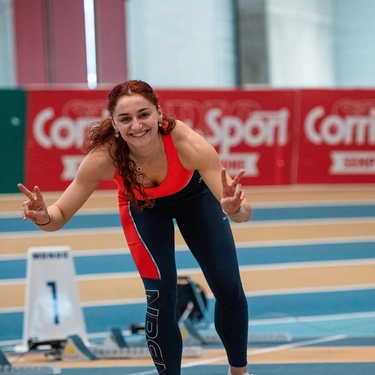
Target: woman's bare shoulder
183,135
99,164
191,147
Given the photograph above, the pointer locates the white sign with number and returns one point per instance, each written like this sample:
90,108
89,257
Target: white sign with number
52,303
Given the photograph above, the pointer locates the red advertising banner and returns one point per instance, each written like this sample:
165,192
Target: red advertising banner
250,129
337,137
56,126
278,136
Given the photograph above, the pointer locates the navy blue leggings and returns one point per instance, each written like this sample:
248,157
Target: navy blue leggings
209,238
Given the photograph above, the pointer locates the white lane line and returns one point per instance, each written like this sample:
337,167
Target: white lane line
81,212
61,233
314,203
302,241
298,344
305,222
309,290
271,349
312,318
255,205
241,245
144,372
251,224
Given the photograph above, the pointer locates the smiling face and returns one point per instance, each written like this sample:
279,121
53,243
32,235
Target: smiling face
136,119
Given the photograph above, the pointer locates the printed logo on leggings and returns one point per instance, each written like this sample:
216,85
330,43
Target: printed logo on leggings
152,330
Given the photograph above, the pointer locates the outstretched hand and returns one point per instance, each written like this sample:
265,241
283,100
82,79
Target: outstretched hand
232,194
34,208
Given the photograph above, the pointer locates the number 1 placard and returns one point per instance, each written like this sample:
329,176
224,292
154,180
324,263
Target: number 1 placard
52,303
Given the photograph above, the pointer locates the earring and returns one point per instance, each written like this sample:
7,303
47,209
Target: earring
117,133
160,124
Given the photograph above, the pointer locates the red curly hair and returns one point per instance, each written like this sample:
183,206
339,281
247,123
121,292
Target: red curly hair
102,133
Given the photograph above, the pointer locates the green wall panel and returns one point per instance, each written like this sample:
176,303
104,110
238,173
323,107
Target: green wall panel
12,139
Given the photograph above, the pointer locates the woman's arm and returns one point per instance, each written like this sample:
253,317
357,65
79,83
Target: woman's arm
196,153
96,166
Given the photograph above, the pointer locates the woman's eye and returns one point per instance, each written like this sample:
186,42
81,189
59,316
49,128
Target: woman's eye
144,114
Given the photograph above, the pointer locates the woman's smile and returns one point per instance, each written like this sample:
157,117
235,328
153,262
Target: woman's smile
141,134
136,118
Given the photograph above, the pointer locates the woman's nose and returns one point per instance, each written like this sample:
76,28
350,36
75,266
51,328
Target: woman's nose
136,124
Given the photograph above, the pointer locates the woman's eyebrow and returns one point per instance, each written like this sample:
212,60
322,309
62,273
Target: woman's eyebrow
127,114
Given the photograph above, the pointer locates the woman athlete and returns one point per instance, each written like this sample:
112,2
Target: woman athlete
164,171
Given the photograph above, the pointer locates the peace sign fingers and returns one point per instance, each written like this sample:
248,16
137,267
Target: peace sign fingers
236,181
238,177
26,191
34,207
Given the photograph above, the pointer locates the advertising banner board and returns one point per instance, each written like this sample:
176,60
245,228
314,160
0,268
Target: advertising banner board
278,137
337,137
56,127
250,130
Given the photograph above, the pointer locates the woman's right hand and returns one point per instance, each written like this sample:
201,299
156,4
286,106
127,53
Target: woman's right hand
34,208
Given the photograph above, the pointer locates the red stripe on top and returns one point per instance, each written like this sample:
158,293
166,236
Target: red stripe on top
142,258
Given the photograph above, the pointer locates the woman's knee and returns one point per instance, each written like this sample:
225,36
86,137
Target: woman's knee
161,298
231,294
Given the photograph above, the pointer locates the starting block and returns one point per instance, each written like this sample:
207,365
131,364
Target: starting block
204,333
116,346
7,368
76,350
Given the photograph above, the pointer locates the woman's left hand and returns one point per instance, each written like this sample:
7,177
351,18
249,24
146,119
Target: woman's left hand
232,194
